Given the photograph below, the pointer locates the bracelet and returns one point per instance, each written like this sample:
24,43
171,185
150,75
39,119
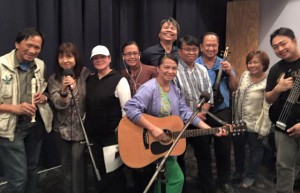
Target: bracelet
63,94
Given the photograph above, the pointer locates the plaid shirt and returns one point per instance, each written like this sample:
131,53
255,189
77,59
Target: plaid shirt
192,83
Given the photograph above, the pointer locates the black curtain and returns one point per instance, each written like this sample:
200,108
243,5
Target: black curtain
88,23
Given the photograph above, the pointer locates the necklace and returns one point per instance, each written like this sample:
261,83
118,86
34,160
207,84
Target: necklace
135,80
255,79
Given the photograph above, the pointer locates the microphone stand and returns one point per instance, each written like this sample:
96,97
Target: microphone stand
216,118
163,161
85,135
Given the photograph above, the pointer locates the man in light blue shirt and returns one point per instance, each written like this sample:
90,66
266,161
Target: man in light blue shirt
228,83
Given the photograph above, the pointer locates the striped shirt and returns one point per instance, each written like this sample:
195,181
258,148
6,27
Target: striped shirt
193,82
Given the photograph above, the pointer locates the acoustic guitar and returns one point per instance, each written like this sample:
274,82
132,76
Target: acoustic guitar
138,148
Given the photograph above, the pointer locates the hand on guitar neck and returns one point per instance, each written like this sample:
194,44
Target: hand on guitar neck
227,68
225,65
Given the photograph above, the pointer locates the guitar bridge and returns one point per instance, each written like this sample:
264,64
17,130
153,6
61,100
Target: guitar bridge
280,125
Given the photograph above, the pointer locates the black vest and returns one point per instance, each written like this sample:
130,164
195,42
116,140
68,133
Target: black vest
103,110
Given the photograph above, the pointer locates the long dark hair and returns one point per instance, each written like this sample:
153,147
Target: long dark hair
68,49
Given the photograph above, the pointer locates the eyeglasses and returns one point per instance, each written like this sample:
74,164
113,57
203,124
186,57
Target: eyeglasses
128,54
189,50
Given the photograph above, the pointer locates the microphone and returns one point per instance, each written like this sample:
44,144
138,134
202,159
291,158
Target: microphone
204,97
69,72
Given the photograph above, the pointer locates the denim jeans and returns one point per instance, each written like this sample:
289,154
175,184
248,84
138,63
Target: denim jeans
222,146
20,158
256,153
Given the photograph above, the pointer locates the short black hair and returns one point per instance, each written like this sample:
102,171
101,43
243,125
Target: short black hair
165,56
208,33
189,40
283,31
172,21
29,32
127,43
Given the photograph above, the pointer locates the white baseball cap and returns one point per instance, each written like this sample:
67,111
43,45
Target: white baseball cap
100,50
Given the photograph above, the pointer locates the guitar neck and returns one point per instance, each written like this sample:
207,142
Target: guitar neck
219,76
197,132
294,94
218,79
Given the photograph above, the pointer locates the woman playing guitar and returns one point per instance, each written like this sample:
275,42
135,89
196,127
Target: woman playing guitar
160,97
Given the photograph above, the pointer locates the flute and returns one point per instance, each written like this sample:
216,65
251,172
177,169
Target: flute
33,91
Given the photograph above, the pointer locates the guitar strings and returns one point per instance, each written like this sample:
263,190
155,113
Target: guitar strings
289,103
292,98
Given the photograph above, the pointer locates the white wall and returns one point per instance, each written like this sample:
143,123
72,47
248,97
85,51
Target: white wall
273,15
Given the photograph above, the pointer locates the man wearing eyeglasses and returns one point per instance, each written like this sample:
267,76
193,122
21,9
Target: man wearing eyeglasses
228,83
193,79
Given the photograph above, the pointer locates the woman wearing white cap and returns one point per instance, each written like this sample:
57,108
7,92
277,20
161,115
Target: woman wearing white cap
107,92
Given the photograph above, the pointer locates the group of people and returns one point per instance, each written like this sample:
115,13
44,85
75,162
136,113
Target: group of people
163,80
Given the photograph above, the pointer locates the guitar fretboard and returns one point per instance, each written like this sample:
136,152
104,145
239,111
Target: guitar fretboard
197,132
294,94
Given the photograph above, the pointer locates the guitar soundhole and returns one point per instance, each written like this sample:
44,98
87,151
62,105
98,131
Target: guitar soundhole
168,138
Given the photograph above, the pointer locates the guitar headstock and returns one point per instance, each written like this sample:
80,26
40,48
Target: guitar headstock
225,53
238,128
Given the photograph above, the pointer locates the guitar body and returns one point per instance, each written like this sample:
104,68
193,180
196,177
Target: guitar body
293,117
218,98
285,113
137,146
